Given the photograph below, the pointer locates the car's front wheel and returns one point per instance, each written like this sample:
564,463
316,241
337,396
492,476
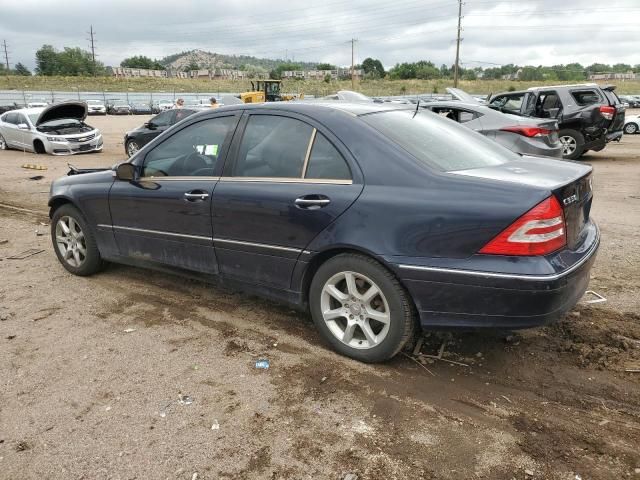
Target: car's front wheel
132,147
572,144
360,308
3,143
73,242
630,128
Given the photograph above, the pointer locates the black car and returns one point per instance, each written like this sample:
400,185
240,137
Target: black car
119,108
377,219
138,138
589,116
141,109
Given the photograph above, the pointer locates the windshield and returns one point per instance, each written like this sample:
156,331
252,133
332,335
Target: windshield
354,96
439,142
34,117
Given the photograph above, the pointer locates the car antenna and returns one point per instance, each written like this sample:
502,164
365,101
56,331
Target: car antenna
417,106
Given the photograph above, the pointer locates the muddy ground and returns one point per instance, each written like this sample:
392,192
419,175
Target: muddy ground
135,374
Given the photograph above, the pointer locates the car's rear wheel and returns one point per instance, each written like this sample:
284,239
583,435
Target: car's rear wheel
132,148
572,144
3,143
360,308
630,128
73,242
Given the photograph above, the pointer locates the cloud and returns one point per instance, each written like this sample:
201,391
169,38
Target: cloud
544,32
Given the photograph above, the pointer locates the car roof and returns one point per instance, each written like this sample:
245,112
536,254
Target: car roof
28,111
352,108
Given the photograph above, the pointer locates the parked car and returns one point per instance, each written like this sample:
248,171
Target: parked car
8,107
165,104
37,103
96,107
376,218
119,108
155,108
632,124
134,140
58,129
630,100
523,135
141,109
589,116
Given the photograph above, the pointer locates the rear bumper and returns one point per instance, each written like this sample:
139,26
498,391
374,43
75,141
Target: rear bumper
457,297
614,136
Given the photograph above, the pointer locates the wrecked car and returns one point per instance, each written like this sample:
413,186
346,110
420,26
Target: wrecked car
589,116
377,219
58,129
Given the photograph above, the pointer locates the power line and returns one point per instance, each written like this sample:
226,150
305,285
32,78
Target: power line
93,49
6,55
455,76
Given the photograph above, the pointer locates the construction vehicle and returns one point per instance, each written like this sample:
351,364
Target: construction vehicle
266,91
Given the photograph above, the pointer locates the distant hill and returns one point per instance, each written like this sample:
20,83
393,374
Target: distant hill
182,60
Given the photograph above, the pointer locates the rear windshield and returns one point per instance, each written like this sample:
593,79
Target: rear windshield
439,142
612,97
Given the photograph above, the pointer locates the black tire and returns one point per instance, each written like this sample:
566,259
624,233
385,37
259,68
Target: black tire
578,142
401,310
3,143
630,128
92,261
128,145
38,147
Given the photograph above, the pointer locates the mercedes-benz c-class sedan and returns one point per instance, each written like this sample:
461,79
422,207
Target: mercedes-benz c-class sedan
58,129
379,220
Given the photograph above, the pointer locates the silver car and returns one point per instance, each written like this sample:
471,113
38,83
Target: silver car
58,129
523,135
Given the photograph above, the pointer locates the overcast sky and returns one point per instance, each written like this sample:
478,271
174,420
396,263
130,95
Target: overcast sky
533,32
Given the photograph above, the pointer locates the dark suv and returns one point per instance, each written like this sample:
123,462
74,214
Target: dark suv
589,116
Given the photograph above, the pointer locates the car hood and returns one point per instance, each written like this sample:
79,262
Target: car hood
531,171
75,110
462,96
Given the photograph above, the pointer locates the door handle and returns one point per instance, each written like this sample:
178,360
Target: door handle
312,202
194,196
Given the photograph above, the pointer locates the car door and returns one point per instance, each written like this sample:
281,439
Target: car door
156,126
164,216
22,132
286,181
10,130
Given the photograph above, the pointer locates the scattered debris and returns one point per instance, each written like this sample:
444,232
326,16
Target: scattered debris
599,298
33,166
323,379
632,370
262,363
603,422
194,476
350,476
439,356
39,233
215,425
25,254
528,473
10,337
185,400
410,357
506,398
36,177
3,241
107,408
129,330
418,347
22,446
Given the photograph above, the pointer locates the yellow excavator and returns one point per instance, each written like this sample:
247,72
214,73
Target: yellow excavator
267,91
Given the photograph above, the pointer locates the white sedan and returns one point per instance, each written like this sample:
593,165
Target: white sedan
632,124
58,129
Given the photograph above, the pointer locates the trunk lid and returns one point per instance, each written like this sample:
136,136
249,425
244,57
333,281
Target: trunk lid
617,124
462,96
57,111
569,182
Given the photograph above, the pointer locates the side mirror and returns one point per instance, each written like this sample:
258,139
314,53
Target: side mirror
23,126
150,125
125,171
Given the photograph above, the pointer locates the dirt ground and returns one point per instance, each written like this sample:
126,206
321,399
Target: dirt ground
132,374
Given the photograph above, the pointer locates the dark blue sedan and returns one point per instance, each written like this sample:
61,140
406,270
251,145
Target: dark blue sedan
378,219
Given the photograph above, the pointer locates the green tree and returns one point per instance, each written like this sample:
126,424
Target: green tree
47,61
373,68
325,66
140,61
20,69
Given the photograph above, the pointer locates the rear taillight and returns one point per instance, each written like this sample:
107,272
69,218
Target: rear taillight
607,112
527,131
538,232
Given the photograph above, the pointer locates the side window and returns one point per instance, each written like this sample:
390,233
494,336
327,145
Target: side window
163,119
273,147
11,118
514,102
193,151
548,105
21,119
586,97
326,162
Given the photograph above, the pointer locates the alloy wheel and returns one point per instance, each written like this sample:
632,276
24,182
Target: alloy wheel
132,148
71,241
569,145
355,310
630,128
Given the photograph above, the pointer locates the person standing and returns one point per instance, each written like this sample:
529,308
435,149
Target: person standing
179,103
213,102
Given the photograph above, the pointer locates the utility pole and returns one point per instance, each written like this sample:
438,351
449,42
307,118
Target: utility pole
93,50
6,55
456,68
353,72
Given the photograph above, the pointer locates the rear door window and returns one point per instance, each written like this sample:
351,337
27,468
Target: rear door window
512,102
612,97
586,97
11,118
273,147
325,162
